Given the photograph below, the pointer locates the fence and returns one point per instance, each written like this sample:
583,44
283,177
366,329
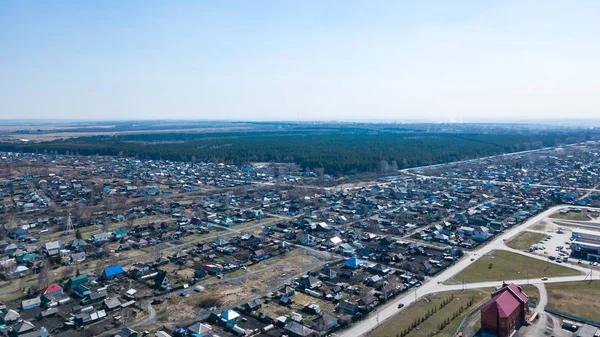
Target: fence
467,317
573,317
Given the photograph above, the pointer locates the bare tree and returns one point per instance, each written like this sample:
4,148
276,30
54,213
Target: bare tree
68,272
3,232
8,227
21,284
45,277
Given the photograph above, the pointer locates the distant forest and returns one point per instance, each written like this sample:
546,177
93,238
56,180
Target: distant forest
339,151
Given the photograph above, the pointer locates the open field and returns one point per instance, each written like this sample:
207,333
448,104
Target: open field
257,281
61,132
525,240
399,323
582,216
576,298
500,265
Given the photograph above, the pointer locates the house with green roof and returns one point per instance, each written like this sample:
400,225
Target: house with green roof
120,233
77,280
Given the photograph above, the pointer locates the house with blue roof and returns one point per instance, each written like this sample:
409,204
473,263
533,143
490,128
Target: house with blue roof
20,233
353,263
113,271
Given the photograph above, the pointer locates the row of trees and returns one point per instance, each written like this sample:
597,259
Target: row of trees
414,324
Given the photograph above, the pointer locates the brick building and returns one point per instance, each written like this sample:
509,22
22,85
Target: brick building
506,311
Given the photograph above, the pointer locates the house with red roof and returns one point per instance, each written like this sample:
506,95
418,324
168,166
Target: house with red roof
506,311
53,289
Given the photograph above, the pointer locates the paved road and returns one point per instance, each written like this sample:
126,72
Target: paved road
543,298
589,192
430,287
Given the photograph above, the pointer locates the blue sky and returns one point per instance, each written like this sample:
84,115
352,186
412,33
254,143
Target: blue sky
300,60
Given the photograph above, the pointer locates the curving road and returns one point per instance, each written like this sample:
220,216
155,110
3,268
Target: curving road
389,310
148,320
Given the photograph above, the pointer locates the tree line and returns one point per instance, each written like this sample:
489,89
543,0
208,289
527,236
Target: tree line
335,153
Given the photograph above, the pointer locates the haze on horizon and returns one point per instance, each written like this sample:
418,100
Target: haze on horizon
302,60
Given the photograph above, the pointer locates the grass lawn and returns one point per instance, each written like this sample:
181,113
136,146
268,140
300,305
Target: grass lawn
576,298
273,309
533,292
236,273
12,296
581,216
151,219
294,256
525,240
398,323
264,221
200,237
500,265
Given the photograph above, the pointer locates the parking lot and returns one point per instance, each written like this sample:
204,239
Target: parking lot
555,246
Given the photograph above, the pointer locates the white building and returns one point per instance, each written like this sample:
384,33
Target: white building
586,244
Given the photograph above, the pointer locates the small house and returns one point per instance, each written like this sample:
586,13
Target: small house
77,257
481,233
111,304
81,291
77,280
347,307
24,328
296,329
127,332
199,330
253,305
113,271
53,289
161,281
353,263
9,316
31,303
